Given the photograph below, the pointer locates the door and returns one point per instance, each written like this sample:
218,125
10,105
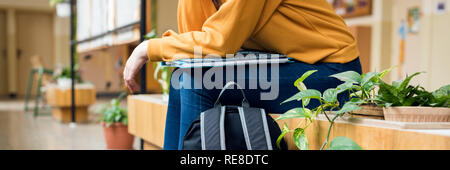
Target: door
34,37
3,69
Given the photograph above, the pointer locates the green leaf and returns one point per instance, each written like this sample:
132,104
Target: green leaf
405,83
388,92
356,94
54,2
306,94
368,77
158,67
294,113
369,86
284,131
117,118
330,95
442,96
383,73
280,138
442,92
343,143
397,83
115,102
285,128
348,107
349,76
306,102
304,76
301,86
344,87
125,121
151,35
356,87
357,101
300,139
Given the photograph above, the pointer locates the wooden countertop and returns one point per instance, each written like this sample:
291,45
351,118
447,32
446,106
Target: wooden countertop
147,114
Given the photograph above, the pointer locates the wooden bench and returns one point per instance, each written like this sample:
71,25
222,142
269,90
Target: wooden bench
61,100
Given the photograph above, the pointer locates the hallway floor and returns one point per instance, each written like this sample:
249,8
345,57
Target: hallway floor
22,131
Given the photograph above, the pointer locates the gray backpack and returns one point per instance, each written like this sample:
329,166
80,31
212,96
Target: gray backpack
233,128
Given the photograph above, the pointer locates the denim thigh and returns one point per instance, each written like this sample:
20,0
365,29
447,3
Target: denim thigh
190,95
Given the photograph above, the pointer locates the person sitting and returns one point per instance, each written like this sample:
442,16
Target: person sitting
310,32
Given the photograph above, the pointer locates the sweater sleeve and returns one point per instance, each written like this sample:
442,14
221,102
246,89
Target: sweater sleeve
223,33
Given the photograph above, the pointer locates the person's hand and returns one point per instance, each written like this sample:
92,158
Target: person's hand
137,59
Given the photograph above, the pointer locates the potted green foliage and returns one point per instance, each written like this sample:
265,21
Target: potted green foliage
63,76
162,73
328,101
363,91
114,120
62,7
407,103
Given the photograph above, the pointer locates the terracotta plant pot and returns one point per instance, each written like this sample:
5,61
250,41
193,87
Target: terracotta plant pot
117,137
370,112
417,114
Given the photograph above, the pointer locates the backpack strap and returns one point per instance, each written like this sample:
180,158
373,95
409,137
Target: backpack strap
245,102
212,131
256,130
244,128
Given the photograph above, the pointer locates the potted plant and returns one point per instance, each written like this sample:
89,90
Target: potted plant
328,102
62,7
114,120
162,73
63,76
363,91
406,103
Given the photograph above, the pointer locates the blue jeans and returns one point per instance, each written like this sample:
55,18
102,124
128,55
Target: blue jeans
186,104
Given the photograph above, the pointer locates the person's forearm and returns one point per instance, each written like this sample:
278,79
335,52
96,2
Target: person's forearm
137,59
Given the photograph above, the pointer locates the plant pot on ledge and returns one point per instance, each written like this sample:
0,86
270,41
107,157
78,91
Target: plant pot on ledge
417,114
117,137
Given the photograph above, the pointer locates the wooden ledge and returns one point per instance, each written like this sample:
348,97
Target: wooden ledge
147,116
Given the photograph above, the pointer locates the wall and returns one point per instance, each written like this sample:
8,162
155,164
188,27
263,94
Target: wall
34,36
167,16
9,10
440,52
381,22
61,40
11,51
103,68
39,5
3,70
426,50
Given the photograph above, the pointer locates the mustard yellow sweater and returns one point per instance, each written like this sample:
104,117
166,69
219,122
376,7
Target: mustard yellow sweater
306,30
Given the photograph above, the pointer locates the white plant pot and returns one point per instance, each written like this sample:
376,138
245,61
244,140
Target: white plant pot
417,114
63,9
64,83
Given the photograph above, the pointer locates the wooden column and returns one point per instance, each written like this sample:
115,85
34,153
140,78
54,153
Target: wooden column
61,27
11,51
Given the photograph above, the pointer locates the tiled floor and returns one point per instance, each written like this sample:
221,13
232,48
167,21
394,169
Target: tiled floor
21,131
